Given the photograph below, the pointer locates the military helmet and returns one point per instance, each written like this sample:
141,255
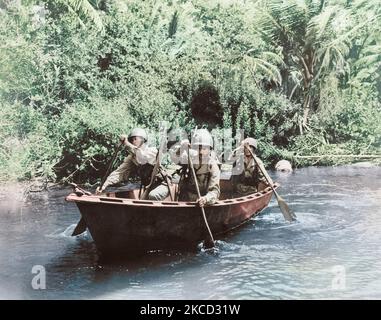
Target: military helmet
202,137
138,132
252,142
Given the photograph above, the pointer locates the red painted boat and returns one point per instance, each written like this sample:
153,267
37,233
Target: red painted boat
121,223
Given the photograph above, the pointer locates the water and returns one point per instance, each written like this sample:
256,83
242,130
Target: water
332,252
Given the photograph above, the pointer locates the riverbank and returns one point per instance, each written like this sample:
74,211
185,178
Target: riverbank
337,160
38,185
67,96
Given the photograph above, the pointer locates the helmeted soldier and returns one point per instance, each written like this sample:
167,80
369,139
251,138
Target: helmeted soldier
206,167
140,161
247,176
283,166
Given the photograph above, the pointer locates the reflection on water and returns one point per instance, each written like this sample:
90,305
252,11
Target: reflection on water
333,251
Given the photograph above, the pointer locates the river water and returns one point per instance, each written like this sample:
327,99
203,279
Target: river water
332,252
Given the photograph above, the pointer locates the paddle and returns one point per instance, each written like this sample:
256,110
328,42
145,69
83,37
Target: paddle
81,225
111,162
209,242
288,214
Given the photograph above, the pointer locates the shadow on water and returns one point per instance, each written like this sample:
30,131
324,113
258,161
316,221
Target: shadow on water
94,276
114,277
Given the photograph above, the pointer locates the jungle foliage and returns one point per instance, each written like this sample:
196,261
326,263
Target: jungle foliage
301,76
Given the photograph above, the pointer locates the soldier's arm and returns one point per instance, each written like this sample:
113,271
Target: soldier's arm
213,193
122,173
130,148
261,176
142,154
146,155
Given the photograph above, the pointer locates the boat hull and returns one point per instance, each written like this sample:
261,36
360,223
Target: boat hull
130,226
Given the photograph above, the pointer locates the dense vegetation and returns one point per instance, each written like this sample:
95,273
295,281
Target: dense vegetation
302,76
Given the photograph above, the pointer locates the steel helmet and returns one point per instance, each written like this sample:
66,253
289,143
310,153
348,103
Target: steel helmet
252,142
202,137
138,132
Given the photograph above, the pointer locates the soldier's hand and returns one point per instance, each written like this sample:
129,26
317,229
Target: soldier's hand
122,138
99,190
201,202
243,144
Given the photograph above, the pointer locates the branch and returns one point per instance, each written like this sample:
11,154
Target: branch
340,156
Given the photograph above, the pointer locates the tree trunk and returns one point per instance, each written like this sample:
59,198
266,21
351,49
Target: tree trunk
306,109
308,67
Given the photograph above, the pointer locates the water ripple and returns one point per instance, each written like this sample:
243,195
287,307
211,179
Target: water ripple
336,235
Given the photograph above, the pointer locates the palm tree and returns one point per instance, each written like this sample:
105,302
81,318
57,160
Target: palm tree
365,55
85,9
316,37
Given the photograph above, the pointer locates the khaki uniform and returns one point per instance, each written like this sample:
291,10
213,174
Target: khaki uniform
140,161
207,175
247,177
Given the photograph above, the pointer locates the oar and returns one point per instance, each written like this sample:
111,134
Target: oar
81,225
111,163
209,242
288,214
80,228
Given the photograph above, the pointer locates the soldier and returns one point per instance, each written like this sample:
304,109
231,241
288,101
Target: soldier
140,161
283,166
247,176
205,165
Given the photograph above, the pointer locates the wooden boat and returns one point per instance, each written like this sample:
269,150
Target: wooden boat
120,223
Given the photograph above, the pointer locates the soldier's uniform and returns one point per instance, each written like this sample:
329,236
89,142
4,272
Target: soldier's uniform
247,177
140,162
251,179
207,174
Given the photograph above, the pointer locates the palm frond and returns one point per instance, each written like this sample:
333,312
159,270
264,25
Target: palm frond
264,68
85,9
319,24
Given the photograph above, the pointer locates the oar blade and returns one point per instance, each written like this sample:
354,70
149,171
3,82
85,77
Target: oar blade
80,228
288,214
